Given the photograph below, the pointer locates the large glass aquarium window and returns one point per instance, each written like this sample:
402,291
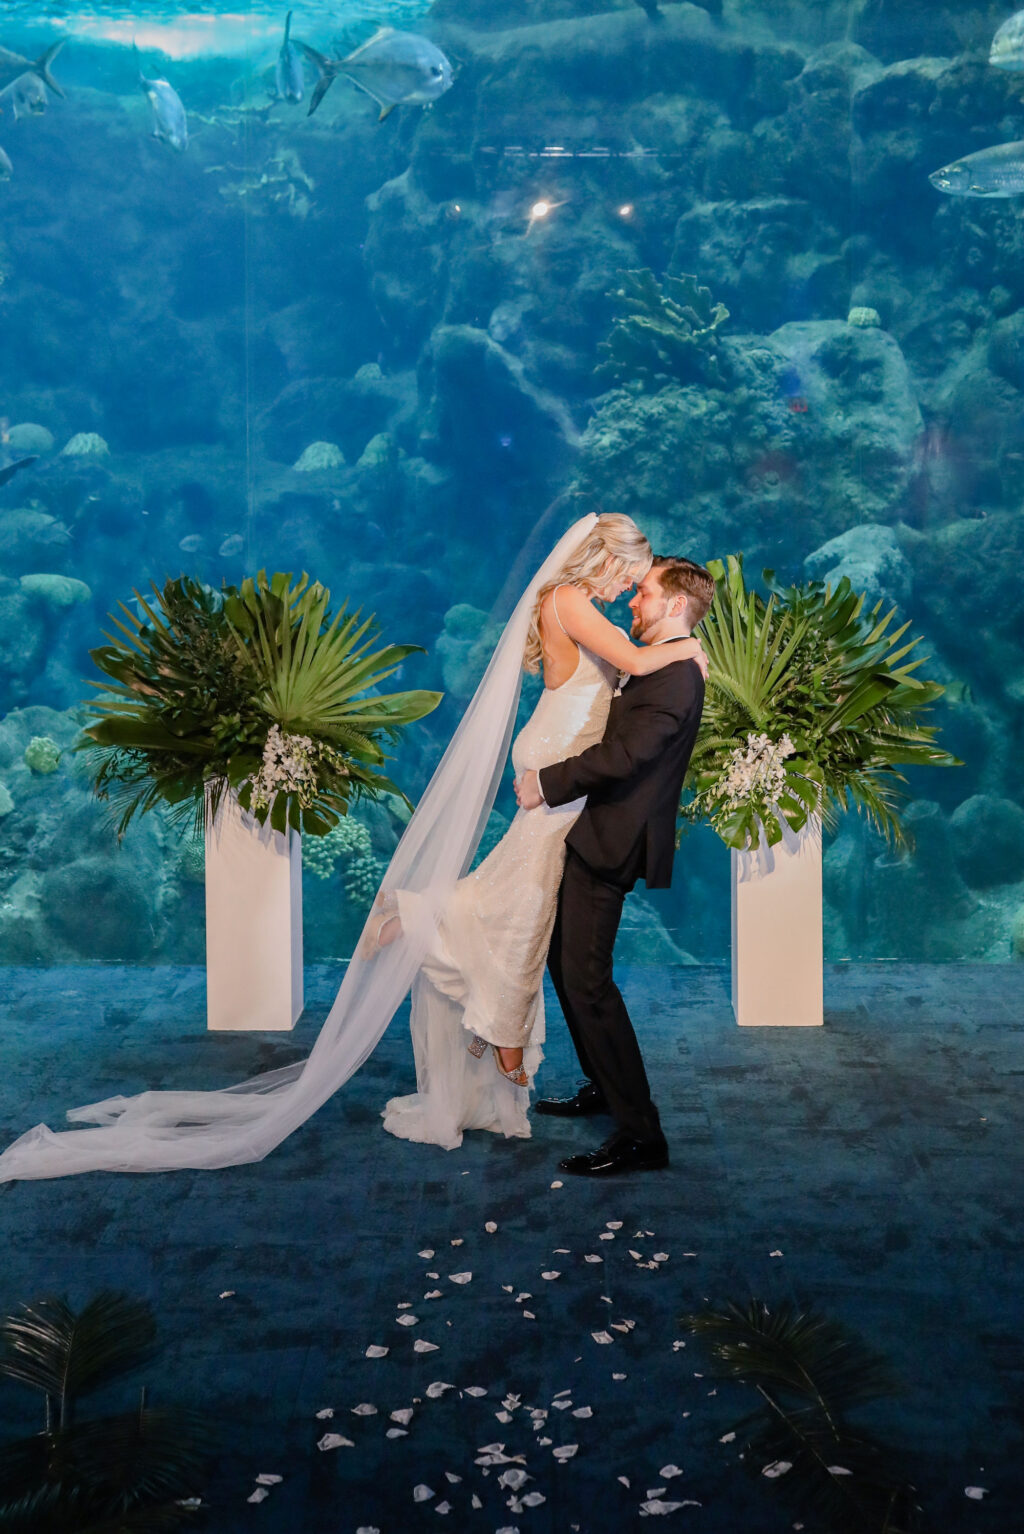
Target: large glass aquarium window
288,291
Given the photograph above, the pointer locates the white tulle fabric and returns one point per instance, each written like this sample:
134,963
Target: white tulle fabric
484,967
162,1131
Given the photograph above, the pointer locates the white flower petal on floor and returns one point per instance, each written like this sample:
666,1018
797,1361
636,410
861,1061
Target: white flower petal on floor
428,1252
583,1411
668,1471
421,1345
637,1256
524,1294
451,1477
839,1470
607,1235
476,1504
613,1224
226,1294
457,1240
533,1499
556,1185
376,1351
396,1432
552,1273
620,1376
565,1451
460,1278
513,1479
367,1529
528,1315
661,1257
269,1480
490,1227
434,1294
727,1438
422,1493
259,1495
656,1491
325,1414
677,1345
776,1253
776,1468
364,1409
475,1390
975,1492
443,1507
402,1414
503,1416
593,1257
602,1337
624,1479
334,1441
437,1389
408,1320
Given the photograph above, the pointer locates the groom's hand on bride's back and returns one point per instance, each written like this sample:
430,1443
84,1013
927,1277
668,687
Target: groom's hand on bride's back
528,794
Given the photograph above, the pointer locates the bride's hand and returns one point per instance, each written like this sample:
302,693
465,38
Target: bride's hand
701,658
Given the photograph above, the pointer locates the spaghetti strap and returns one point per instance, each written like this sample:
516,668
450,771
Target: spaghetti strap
554,604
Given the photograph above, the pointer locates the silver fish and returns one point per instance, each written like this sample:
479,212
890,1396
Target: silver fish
233,544
169,122
394,68
995,172
192,543
25,96
12,65
6,168
288,77
1007,51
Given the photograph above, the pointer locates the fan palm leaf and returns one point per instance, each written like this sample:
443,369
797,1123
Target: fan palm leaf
63,1353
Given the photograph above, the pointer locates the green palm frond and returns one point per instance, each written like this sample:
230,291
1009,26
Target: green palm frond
63,1353
809,665
193,681
810,1373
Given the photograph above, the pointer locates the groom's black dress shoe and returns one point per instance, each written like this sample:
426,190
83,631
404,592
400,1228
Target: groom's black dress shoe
622,1153
589,1099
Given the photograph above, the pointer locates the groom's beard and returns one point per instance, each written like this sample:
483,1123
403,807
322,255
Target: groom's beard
640,628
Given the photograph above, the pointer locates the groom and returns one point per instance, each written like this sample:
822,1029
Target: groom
632,781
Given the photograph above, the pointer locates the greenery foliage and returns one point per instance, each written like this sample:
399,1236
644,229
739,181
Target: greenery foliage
131,1470
664,332
809,669
258,688
811,1373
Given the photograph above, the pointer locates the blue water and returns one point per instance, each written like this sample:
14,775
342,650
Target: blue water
291,280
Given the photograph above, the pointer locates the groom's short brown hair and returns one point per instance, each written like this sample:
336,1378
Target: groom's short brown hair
683,578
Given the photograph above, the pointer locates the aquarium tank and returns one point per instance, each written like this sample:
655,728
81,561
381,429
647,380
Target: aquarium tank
392,292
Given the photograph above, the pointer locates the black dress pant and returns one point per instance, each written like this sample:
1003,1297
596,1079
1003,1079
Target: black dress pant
580,962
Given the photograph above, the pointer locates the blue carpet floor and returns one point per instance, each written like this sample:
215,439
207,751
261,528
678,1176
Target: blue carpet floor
870,1168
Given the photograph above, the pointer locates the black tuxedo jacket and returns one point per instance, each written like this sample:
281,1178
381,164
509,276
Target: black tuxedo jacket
633,778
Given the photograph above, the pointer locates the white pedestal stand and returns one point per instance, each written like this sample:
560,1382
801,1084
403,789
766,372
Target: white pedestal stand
777,959
253,923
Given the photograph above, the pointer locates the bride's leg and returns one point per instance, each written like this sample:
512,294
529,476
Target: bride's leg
511,1059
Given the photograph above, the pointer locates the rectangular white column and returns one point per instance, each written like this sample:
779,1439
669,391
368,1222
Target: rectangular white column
777,956
253,923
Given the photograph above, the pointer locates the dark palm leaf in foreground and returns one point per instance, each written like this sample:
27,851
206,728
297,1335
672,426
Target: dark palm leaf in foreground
810,1374
131,1471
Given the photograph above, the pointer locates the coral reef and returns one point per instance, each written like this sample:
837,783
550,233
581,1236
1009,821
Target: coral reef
85,444
662,332
319,456
42,755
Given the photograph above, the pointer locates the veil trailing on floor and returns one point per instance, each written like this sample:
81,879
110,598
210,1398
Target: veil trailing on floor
163,1131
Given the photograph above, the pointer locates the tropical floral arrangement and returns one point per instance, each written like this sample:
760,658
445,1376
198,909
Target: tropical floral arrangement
257,689
812,706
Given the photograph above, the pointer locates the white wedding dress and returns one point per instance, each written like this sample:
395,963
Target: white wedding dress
157,1131
483,968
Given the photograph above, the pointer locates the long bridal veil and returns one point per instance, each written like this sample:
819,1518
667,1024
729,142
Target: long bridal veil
162,1131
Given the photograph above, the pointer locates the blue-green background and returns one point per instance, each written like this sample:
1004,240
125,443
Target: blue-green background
293,280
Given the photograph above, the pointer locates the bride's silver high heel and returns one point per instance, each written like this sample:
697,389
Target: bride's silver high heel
517,1075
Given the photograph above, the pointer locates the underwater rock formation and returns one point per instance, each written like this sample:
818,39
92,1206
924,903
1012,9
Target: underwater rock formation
662,333
988,840
871,558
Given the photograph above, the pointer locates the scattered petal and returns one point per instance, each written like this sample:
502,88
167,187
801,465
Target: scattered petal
661,1257
226,1294
450,1476
259,1495
839,1470
607,1235
404,1305
364,1409
533,1499
677,1345
434,1276
602,1337
460,1278
334,1441
528,1315
367,1529
396,1432
475,1390
552,1273
561,1405
524,1295
402,1414
656,1491
556,1185
476,1503
565,1451
374,1351
654,1507
619,1376
421,1345
624,1479
503,1416
613,1224
637,1256
975,1492
776,1468
422,1493
428,1252
409,1320
269,1480
593,1257
325,1414
511,1402
490,1227
776,1253
457,1240
433,1294
513,1479
583,1411
507,1288
443,1507
437,1389
727,1438
544,1442
562,1251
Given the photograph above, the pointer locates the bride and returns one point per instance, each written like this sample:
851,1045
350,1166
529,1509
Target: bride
472,948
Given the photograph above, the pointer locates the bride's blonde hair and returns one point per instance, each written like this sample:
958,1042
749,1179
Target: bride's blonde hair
614,549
